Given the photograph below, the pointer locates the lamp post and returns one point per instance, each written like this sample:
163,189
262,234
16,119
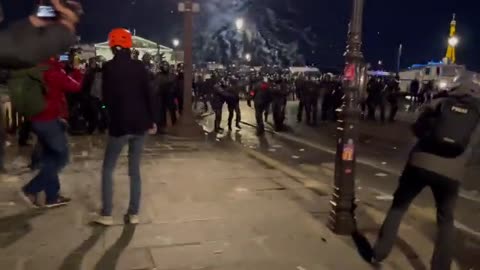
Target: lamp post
175,43
342,216
239,24
248,57
186,125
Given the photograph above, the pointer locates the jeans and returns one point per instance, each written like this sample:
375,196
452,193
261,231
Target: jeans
445,192
112,153
36,157
54,157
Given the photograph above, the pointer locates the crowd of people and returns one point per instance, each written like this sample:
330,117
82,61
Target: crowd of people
270,92
136,101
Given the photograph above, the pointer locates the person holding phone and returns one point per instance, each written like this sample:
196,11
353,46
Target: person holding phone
33,40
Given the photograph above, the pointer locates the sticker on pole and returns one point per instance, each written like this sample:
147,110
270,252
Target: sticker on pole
349,72
348,151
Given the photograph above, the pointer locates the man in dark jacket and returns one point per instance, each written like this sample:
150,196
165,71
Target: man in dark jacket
129,101
262,98
29,42
279,92
443,175
164,84
232,98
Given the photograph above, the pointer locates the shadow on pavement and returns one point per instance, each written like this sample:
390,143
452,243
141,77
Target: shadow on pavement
110,259
370,227
74,260
365,250
14,228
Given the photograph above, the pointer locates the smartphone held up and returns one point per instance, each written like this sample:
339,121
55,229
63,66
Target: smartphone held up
46,10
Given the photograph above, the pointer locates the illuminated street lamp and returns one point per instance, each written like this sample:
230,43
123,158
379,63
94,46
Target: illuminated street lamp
248,57
453,41
175,42
240,23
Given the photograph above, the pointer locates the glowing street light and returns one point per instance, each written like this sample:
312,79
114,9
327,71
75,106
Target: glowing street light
239,23
176,42
453,41
248,57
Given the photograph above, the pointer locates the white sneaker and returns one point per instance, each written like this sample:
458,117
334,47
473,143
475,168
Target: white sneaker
133,219
104,220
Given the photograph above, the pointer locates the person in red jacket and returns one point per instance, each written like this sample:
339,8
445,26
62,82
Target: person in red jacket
49,127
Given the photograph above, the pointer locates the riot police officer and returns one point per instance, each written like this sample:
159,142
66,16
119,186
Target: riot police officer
217,101
279,90
232,99
392,94
262,99
311,96
164,86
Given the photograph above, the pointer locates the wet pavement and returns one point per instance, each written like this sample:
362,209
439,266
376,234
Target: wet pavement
383,152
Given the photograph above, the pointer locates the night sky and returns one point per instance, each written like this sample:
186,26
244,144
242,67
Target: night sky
316,28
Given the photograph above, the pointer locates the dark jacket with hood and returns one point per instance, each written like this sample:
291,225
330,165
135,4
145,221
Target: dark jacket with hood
452,168
127,96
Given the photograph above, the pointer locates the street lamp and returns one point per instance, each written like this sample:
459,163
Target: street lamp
239,23
175,42
453,41
342,217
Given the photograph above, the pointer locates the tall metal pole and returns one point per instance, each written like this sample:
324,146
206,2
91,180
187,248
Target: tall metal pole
188,60
186,126
342,217
399,57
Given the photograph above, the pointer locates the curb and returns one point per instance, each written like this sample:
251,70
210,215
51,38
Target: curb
323,189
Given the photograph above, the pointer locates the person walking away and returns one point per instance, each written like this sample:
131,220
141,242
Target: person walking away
232,98
327,99
392,93
300,85
311,101
414,91
218,99
49,127
262,97
129,101
376,99
447,130
164,88
279,102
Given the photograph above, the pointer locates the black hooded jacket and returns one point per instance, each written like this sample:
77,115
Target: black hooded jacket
127,95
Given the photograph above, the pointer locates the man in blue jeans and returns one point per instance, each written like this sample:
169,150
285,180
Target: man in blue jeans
128,98
49,127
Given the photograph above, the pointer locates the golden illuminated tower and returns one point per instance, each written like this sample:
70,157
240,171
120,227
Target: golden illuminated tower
451,57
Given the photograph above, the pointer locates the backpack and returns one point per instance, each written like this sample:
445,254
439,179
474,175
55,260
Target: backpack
27,91
448,129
